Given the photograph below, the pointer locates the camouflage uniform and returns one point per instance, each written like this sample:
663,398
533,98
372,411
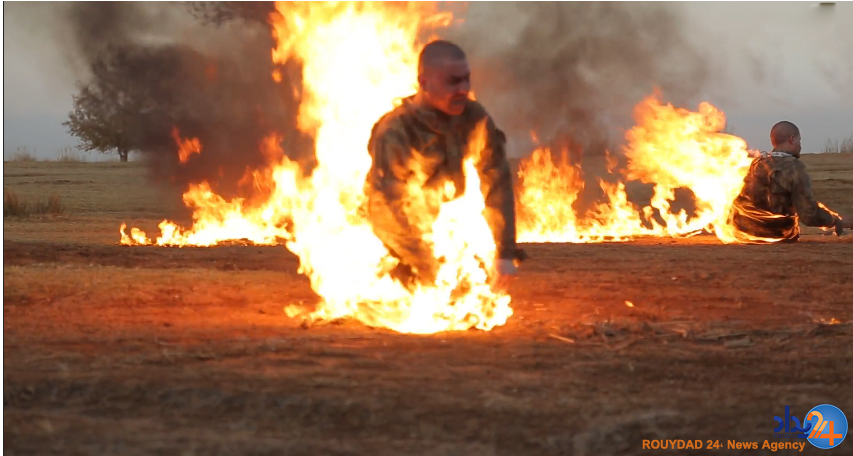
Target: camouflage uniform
777,192
419,145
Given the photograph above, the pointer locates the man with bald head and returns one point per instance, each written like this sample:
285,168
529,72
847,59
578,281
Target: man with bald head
421,144
777,193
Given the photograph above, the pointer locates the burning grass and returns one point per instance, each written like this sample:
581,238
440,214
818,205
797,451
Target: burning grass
151,350
319,216
196,338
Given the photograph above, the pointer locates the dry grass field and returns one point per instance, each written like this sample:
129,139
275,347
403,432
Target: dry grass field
146,350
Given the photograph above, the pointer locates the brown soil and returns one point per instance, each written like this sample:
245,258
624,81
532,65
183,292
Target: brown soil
118,350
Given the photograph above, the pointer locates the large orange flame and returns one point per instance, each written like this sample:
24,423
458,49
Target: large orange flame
669,147
357,59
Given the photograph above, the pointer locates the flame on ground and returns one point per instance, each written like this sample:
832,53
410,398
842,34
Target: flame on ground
669,147
357,59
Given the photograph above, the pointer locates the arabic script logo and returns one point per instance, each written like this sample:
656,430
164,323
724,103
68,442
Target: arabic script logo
785,431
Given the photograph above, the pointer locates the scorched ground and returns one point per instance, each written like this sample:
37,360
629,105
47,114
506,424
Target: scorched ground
146,350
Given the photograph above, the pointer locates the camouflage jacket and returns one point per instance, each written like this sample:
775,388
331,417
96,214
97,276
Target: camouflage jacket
777,192
416,145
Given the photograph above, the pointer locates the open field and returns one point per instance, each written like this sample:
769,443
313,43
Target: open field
146,350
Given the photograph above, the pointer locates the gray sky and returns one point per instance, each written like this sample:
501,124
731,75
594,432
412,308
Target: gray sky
791,61
36,92
770,61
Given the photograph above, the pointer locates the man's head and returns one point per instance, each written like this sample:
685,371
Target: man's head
444,77
785,137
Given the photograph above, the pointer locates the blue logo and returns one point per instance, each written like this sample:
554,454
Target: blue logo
828,426
790,427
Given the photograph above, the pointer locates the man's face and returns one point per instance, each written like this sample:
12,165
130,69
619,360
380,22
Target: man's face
445,85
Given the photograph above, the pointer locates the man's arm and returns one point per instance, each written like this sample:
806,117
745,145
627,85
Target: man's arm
808,210
496,185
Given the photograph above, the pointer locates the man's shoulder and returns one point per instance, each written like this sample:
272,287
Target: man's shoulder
392,122
404,116
779,160
475,111
788,163
788,170
394,118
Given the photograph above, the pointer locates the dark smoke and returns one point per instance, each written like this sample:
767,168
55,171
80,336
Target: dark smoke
94,25
202,68
573,71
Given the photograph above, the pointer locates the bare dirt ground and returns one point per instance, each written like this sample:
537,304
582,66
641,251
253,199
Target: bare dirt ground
146,350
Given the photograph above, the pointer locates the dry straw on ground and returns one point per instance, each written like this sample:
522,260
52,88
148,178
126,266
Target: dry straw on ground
148,350
68,155
843,147
24,154
15,206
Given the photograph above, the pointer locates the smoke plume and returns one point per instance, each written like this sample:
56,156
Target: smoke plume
204,69
572,72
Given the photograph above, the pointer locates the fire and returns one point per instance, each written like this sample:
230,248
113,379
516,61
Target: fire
546,198
669,147
186,147
136,237
357,59
677,148
461,298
